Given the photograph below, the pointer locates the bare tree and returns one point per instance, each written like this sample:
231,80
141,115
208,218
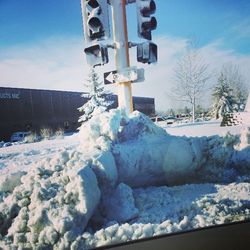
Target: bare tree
190,77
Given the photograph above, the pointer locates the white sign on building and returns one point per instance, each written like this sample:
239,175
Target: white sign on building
7,95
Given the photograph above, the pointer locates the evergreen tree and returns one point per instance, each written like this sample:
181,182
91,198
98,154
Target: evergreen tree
186,110
171,112
200,111
236,82
222,97
98,99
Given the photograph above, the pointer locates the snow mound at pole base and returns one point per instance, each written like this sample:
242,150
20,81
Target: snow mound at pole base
146,154
135,151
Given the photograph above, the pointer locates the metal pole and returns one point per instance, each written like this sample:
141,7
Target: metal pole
120,35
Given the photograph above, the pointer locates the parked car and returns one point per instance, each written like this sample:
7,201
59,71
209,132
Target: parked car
170,119
19,136
157,119
164,120
7,144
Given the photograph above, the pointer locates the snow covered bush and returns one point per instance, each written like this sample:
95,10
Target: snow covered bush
59,133
46,133
32,137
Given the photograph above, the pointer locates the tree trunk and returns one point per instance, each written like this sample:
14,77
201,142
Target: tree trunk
193,111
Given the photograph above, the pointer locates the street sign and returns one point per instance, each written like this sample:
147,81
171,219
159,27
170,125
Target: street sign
131,74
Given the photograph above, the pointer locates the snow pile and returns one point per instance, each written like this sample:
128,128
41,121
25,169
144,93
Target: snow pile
100,192
100,131
134,151
52,205
163,210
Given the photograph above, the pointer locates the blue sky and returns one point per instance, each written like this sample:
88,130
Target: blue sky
26,22
29,21
41,41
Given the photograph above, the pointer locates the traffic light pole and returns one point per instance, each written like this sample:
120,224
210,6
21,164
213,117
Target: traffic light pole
121,48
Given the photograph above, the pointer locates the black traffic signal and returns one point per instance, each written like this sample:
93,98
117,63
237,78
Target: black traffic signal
95,20
96,55
147,52
146,23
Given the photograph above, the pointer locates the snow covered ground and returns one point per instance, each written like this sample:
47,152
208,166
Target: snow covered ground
198,129
122,179
23,156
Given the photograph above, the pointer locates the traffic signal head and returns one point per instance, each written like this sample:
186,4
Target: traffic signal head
146,23
96,55
95,19
147,52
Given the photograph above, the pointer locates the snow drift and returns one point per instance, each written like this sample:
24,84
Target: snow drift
61,200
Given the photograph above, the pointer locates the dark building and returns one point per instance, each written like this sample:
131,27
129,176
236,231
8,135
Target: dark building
31,109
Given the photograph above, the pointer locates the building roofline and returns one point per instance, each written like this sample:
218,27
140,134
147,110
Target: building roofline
68,91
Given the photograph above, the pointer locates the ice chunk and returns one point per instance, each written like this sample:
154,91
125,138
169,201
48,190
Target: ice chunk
105,169
121,205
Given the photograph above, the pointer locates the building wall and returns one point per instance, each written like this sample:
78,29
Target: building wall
31,109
